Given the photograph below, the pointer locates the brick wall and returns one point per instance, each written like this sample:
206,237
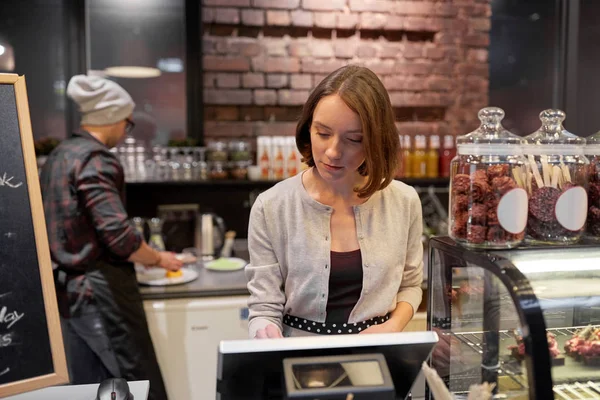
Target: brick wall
262,57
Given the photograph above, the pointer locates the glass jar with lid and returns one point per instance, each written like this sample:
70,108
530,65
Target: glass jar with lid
556,181
217,151
488,200
592,152
239,150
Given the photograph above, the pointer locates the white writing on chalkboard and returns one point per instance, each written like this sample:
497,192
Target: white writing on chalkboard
6,181
6,340
9,318
4,372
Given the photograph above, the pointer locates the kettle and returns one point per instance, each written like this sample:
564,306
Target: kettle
210,235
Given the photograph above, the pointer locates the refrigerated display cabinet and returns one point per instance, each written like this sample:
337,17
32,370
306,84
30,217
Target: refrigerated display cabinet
508,316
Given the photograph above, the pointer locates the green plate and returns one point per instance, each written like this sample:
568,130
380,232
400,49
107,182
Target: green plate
226,264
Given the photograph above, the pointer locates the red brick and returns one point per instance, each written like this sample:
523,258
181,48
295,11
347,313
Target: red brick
252,113
414,7
418,128
446,10
418,24
445,38
345,48
413,68
372,21
208,15
238,46
477,55
396,82
395,22
366,50
302,18
221,113
477,40
480,24
292,97
299,49
442,68
412,50
473,69
454,53
300,81
476,84
384,6
442,84
230,81
321,49
275,128
227,96
436,24
208,46
323,5
383,67
209,79
346,21
275,64
214,129
265,97
423,99
477,10
216,63
325,20
285,113
275,47
278,18
253,17
253,80
227,16
227,3
434,53
321,66
317,78
283,4
277,81
391,50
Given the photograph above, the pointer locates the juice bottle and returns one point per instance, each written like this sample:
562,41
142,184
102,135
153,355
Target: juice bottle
433,157
448,153
407,157
419,161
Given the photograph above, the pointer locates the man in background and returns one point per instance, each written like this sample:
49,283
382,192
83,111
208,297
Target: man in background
93,243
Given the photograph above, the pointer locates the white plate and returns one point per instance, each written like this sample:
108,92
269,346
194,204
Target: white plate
235,264
155,280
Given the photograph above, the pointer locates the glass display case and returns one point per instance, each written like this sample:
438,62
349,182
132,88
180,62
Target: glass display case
526,319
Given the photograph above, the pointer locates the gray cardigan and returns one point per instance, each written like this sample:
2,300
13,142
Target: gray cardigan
288,240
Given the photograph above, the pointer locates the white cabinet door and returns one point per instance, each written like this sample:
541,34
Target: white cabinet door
186,335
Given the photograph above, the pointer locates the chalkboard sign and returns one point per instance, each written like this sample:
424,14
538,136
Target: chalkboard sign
31,348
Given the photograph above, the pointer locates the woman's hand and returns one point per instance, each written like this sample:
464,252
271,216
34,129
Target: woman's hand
388,326
269,332
168,261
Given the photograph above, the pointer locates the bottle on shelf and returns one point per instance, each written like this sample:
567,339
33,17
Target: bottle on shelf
419,162
448,153
433,157
264,157
291,167
278,159
407,157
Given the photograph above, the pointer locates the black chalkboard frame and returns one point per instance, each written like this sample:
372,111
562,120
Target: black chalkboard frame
60,374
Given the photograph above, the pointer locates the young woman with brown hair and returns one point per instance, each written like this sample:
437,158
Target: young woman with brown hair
337,248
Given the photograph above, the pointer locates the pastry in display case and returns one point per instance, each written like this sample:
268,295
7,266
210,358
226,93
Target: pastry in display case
525,319
592,152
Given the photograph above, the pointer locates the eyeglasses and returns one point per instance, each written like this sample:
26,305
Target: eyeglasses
129,126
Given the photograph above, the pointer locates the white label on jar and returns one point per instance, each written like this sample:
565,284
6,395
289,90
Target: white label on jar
512,210
571,208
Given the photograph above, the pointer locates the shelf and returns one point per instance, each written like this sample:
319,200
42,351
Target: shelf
437,182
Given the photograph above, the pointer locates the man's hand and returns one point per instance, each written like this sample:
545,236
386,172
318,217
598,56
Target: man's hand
168,261
269,332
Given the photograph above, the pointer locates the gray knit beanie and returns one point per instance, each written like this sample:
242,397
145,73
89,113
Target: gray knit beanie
100,101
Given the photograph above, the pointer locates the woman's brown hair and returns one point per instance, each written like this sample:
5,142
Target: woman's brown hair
364,93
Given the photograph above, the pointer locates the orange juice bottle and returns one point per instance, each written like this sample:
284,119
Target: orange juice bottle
292,158
419,160
264,157
433,157
279,161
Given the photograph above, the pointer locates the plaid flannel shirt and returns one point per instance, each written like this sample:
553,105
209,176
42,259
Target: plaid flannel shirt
83,193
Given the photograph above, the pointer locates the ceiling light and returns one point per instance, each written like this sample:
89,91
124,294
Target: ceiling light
2,49
132,72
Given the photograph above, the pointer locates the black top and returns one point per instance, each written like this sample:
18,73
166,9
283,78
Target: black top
345,285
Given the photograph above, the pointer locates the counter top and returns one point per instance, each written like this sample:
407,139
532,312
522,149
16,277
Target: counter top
208,284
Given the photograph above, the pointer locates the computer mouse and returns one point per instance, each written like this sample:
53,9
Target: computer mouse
114,389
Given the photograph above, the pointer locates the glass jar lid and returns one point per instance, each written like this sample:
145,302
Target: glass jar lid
552,137
491,138
593,144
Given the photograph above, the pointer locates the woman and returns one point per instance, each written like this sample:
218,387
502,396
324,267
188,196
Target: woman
337,248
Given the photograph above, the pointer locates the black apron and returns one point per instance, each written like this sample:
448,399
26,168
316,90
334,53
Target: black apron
115,294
